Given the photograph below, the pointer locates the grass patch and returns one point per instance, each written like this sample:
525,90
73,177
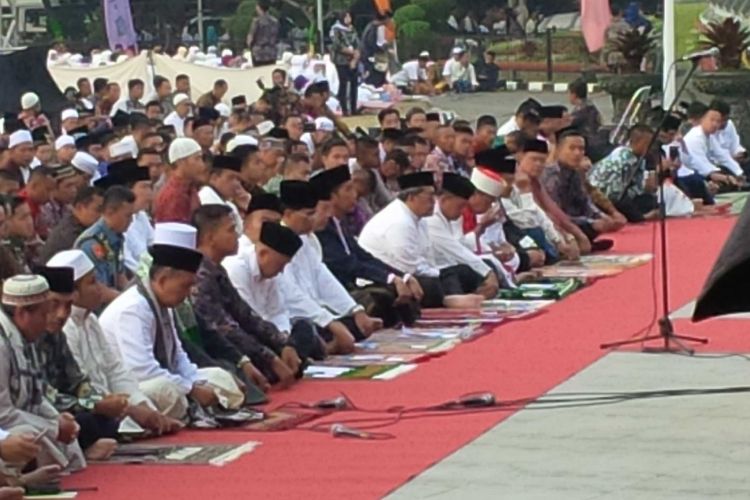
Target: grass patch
686,19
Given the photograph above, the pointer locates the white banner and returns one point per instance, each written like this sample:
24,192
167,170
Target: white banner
136,67
202,78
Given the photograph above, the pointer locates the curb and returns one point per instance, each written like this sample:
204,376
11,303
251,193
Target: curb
559,88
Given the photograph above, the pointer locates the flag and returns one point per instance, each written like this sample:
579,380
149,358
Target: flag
119,23
595,19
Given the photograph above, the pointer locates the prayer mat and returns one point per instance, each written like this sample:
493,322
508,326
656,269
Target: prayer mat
179,454
596,266
285,418
736,201
51,496
370,372
362,360
550,288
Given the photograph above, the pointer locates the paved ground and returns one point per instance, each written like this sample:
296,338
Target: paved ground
689,447
503,104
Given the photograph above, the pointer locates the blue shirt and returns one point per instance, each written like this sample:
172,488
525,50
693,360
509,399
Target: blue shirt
104,247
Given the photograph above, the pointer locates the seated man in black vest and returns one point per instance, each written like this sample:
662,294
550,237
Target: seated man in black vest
384,291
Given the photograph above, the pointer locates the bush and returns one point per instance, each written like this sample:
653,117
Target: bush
437,12
409,13
414,37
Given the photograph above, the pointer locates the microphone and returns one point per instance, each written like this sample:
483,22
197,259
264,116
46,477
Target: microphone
694,56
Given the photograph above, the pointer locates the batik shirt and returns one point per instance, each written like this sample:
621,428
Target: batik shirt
610,175
104,247
566,188
71,387
219,306
50,215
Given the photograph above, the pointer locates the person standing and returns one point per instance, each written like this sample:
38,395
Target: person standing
345,55
264,36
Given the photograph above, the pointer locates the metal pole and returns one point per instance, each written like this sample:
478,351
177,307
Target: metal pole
200,26
669,75
549,53
321,37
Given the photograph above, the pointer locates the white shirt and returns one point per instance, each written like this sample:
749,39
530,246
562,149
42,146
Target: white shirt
400,239
725,144
508,127
448,67
178,123
447,248
263,295
310,289
97,358
730,140
523,210
307,139
410,72
459,72
130,323
695,156
138,237
209,196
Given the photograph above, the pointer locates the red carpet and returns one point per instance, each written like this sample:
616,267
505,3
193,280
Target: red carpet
517,360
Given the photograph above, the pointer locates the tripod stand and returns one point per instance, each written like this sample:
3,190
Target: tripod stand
671,341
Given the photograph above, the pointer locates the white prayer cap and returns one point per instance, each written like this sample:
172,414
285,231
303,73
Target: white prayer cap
129,141
181,148
85,163
457,50
179,99
212,49
120,148
75,259
424,55
324,124
226,53
223,110
19,137
29,100
64,140
265,127
241,140
487,181
69,114
175,234
25,290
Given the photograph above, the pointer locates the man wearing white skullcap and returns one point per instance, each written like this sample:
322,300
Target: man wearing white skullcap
87,166
31,114
178,198
97,358
65,149
23,320
176,118
141,323
68,120
21,154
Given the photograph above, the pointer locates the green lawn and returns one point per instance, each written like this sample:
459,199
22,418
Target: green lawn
686,16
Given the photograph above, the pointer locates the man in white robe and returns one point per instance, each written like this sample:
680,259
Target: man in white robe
141,322
310,289
447,248
96,357
398,235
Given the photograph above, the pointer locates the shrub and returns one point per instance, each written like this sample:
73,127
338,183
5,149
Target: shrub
414,37
409,13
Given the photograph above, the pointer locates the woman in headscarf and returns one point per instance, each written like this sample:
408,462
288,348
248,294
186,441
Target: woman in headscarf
345,54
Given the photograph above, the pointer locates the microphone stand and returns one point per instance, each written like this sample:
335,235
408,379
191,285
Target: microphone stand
671,342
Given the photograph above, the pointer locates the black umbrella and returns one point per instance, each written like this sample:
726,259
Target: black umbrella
726,289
